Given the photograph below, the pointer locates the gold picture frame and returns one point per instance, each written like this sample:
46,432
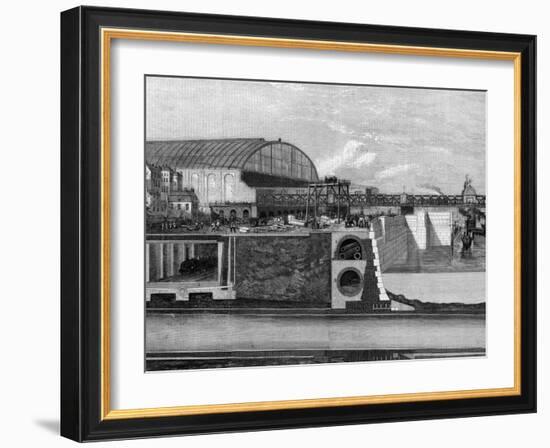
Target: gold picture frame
106,32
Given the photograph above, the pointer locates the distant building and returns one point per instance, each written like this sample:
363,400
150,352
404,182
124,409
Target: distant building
184,203
469,195
153,178
164,191
371,191
165,182
177,182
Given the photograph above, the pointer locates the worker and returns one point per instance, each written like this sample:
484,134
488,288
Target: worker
466,243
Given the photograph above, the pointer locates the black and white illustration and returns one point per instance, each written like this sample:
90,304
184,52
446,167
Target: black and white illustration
299,223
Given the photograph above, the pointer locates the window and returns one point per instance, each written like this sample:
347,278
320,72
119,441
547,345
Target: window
266,159
195,181
229,187
212,194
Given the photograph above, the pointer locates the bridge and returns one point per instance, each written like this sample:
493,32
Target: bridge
302,198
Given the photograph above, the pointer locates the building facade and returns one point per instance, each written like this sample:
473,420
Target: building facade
153,178
165,194
183,203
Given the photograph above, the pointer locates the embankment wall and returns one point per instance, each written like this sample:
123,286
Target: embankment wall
391,237
399,236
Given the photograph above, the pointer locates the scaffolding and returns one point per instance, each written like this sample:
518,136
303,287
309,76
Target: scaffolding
330,195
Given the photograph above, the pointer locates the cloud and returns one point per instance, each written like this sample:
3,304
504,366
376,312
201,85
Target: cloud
395,170
439,150
338,127
346,130
371,136
354,155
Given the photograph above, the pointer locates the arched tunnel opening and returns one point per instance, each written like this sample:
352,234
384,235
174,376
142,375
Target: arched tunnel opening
349,249
350,282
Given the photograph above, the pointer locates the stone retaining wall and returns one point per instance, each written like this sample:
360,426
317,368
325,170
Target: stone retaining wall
398,237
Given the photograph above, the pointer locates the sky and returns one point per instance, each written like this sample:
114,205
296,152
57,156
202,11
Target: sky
398,139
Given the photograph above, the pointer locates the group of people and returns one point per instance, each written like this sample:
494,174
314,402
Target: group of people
360,221
173,224
217,224
465,231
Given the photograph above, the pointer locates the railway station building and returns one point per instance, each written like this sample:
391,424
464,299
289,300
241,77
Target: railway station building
228,176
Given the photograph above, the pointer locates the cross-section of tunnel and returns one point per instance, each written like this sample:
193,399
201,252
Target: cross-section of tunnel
350,282
350,248
356,276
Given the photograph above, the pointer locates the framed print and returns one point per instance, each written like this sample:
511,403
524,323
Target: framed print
276,224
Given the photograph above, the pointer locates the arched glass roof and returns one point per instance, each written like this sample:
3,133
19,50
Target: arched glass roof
258,155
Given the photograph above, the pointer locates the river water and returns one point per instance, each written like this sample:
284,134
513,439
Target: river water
441,287
191,332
